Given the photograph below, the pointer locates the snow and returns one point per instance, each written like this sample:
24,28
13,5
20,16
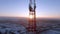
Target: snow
51,32
12,28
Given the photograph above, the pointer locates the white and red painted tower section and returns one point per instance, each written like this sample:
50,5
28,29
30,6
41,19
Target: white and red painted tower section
32,17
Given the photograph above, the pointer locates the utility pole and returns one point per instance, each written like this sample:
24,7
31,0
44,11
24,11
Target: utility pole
32,17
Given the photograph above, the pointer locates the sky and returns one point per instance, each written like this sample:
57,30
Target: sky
20,8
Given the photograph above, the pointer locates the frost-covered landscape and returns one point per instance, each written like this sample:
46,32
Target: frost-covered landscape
13,25
8,28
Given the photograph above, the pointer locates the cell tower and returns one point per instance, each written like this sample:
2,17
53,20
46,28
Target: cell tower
32,15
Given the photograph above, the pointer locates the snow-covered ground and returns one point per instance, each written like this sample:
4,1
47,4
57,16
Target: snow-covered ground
52,29
7,28
12,26
51,32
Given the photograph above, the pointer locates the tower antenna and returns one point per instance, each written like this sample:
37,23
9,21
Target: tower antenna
32,17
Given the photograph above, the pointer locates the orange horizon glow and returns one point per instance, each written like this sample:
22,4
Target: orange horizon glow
36,16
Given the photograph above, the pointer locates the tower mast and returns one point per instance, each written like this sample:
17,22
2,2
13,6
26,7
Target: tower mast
32,15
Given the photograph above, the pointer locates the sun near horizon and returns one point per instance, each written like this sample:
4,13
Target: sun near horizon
20,8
